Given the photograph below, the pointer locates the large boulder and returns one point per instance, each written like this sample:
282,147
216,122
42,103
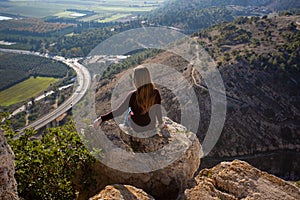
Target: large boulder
121,192
176,163
239,180
8,184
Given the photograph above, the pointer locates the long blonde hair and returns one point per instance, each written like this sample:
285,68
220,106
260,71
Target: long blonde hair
145,88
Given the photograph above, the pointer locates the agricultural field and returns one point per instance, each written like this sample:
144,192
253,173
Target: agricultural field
113,17
61,9
17,67
31,25
25,90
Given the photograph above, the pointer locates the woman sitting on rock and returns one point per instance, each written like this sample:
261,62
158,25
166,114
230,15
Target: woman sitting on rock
142,105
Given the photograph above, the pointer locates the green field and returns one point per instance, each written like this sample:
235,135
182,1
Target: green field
40,8
25,90
113,17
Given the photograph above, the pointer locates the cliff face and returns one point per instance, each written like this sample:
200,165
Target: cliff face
239,180
261,74
8,184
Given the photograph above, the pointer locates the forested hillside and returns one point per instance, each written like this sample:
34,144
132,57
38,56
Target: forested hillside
18,67
66,40
269,44
193,15
32,26
188,19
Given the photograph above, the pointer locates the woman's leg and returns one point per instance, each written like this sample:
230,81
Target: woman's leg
126,121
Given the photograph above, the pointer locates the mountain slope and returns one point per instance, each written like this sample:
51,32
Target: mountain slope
259,62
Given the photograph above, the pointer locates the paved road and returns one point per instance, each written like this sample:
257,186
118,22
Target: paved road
23,107
84,82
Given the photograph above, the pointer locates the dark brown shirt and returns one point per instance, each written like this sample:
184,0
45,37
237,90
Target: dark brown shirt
138,121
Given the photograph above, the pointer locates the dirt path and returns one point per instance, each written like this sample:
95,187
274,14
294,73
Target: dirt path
206,89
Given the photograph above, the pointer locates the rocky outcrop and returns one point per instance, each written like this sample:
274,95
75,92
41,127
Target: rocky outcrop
163,183
228,180
8,184
239,180
122,192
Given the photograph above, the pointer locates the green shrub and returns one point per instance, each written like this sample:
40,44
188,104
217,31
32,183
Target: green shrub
46,167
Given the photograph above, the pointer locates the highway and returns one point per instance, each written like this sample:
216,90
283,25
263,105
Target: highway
84,82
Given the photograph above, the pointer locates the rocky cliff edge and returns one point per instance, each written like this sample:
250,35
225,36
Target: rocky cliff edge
8,184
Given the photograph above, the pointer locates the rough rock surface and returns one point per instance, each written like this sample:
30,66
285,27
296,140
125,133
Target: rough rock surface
163,183
8,184
239,180
121,192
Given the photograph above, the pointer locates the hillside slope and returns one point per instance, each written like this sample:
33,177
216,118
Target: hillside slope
259,63
193,15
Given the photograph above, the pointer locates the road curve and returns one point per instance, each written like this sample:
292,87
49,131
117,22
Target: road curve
84,82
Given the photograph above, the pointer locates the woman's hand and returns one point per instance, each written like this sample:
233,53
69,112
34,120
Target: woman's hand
97,122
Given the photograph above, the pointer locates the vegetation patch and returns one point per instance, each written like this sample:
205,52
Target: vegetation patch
187,16
298,184
25,90
95,17
113,18
31,25
71,34
46,167
16,68
265,43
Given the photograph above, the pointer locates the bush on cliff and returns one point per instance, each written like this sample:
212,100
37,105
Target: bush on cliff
46,167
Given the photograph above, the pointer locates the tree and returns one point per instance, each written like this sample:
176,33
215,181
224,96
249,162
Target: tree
252,59
46,167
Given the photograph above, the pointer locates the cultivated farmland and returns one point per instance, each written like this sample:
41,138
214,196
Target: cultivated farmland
25,90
